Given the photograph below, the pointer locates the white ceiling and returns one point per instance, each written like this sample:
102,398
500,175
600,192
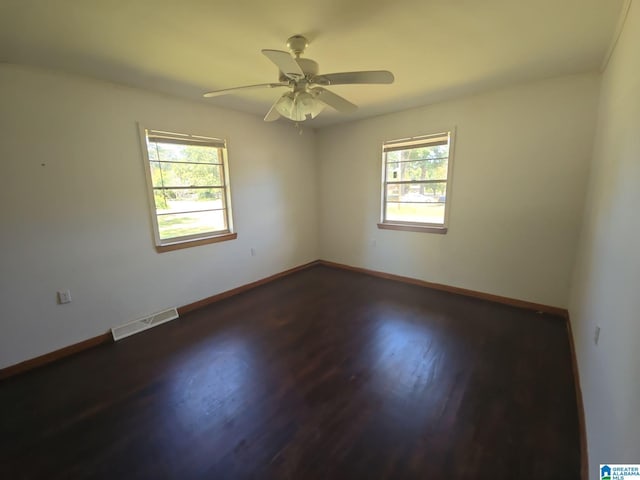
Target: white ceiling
437,49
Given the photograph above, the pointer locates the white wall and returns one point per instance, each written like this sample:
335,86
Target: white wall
520,170
606,289
75,213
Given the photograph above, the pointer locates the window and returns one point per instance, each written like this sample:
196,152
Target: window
188,183
416,183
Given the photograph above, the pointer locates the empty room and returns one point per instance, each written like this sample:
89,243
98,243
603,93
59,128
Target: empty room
330,240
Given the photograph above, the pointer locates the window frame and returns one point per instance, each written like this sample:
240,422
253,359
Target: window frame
193,240
424,227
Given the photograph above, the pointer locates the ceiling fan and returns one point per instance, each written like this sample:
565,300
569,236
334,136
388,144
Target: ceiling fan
307,96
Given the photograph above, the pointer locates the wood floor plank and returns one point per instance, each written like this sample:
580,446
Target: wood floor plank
324,374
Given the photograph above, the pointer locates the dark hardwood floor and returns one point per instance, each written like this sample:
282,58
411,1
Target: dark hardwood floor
325,374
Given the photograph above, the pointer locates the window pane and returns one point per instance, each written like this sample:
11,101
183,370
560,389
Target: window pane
172,152
420,153
158,171
153,153
186,175
416,212
172,200
394,156
180,225
435,192
432,169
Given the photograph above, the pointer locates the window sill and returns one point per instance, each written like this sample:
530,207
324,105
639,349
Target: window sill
413,228
196,243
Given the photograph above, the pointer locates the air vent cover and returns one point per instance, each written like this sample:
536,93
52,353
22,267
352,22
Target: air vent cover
145,323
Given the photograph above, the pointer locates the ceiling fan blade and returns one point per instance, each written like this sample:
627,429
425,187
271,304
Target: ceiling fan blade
285,63
336,101
346,78
272,115
226,91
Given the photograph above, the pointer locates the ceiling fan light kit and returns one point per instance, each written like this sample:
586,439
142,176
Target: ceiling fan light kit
298,106
307,97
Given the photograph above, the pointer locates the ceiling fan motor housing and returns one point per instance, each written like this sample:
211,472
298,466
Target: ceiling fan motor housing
308,66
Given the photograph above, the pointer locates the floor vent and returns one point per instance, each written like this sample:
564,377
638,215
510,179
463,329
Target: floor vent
145,323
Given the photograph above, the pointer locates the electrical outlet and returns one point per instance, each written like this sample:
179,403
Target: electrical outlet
64,296
596,335
253,252
373,242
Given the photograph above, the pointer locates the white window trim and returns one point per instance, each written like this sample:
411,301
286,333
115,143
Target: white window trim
175,243
419,226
